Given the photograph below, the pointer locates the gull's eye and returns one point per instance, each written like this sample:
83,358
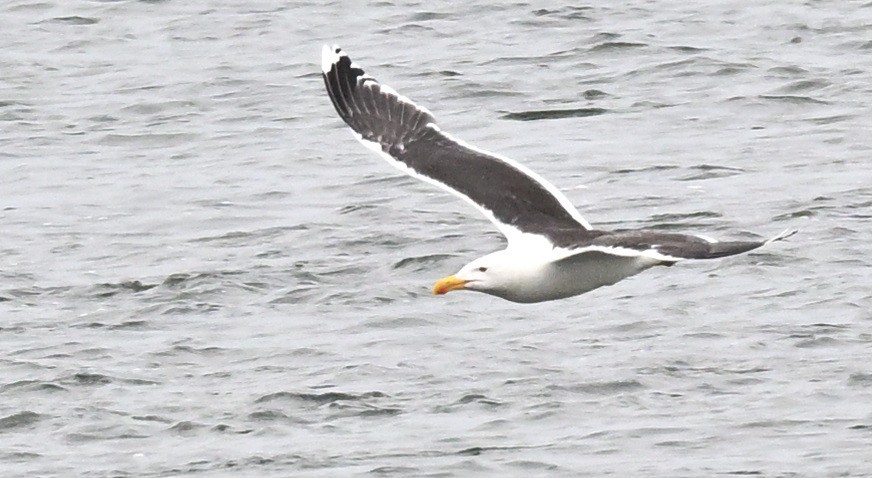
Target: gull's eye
482,269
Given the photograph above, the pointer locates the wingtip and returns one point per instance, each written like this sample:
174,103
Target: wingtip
329,56
782,236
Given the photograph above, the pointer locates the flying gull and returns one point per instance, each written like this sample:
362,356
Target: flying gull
552,251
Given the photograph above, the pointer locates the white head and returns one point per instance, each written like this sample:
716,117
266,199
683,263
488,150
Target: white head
497,274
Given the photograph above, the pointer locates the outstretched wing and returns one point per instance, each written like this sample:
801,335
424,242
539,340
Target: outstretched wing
515,199
669,248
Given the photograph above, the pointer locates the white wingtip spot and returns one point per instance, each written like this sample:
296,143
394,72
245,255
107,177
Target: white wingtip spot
329,56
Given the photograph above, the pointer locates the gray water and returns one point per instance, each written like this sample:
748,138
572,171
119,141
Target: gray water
203,274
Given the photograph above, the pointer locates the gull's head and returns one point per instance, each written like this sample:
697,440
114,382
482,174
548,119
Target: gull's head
493,274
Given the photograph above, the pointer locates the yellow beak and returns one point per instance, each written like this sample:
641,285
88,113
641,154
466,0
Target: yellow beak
446,285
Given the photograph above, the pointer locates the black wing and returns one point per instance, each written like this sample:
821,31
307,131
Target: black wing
513,197
671,247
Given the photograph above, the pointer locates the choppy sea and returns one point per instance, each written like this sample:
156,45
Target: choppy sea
203,274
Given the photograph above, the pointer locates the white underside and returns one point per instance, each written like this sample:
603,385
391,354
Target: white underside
573,276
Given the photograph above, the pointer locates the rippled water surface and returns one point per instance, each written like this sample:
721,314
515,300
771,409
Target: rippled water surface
204,274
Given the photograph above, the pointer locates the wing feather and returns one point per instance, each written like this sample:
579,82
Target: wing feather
518,201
